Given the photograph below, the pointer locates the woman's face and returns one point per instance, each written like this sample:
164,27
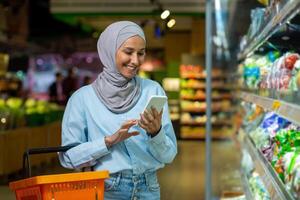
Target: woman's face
130,56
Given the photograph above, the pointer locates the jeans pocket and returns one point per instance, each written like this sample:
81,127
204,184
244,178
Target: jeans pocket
112,183
152,182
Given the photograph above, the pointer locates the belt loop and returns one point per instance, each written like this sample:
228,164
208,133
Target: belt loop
148,177
119,177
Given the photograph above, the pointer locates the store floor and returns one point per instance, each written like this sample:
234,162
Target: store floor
185,177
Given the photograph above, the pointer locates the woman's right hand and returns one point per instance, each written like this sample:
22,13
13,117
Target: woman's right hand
122,134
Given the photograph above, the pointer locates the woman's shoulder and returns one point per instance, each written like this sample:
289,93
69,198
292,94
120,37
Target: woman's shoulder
151,87
82,93
148,82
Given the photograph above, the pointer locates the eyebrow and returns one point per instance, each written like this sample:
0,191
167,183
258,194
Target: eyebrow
130,48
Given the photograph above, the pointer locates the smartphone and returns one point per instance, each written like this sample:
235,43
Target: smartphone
156,102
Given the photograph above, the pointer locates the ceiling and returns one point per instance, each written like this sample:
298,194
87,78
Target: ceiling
97,14
126,6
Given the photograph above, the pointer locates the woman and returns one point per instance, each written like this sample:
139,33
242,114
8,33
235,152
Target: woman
106,119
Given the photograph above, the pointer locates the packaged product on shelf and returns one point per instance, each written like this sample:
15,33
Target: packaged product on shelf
273,55
295,182
291,161
261,135
286,154
257,187
253,117
289,61
283,71
266,68
295,81
287,68
247,163
257,20
251,73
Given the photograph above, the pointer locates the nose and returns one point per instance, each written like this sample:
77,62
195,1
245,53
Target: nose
135,59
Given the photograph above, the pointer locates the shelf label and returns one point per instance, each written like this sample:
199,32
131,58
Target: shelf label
276,105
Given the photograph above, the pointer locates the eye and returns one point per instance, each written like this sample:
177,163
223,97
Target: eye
141,53
128,52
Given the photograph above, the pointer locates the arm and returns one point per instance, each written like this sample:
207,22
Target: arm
75,131
163,146
162,142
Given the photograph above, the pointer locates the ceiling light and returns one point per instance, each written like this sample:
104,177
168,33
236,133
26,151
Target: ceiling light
165,14
285,38
171,23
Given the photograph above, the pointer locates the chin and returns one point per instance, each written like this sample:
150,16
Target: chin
130,76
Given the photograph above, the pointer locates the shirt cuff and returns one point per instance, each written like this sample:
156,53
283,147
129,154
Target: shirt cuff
159,138
102,148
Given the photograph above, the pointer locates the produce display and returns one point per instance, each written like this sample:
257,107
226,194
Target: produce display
271,137
279,141
16,112
193,104
272,71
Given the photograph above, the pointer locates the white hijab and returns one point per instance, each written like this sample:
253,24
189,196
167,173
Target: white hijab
118,93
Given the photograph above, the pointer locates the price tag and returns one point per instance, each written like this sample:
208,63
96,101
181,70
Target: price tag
276,105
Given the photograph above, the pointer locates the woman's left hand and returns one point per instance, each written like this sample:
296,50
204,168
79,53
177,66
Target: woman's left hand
151,121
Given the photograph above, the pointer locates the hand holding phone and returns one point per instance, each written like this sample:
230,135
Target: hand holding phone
151,117
156,102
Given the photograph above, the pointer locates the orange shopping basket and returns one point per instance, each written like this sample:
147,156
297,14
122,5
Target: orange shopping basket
73,186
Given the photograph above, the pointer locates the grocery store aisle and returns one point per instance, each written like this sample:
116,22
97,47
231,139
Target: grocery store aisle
184,178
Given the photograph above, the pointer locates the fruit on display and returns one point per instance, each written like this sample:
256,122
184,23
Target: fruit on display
15,112
2,103
29,103
14,103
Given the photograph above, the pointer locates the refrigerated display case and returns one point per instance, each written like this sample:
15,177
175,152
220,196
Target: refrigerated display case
270,66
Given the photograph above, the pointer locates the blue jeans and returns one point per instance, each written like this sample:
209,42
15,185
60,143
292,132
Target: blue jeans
127,186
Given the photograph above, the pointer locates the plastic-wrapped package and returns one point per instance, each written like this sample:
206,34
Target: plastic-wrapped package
251,72
295,182
257,20
247,163
294,84
268,150
257,187
286,71
265,64
261,135
290,60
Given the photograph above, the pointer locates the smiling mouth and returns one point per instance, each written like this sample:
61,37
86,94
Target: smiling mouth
131,67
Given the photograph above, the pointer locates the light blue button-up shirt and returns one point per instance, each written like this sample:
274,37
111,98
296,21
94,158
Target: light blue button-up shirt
87,121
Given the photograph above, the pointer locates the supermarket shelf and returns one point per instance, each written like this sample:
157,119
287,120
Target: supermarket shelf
287,12
201,76
194,136
203,110
246,186
225,97
218,123
287,110
220,87
272,182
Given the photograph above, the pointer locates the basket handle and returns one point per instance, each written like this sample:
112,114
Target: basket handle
28,152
